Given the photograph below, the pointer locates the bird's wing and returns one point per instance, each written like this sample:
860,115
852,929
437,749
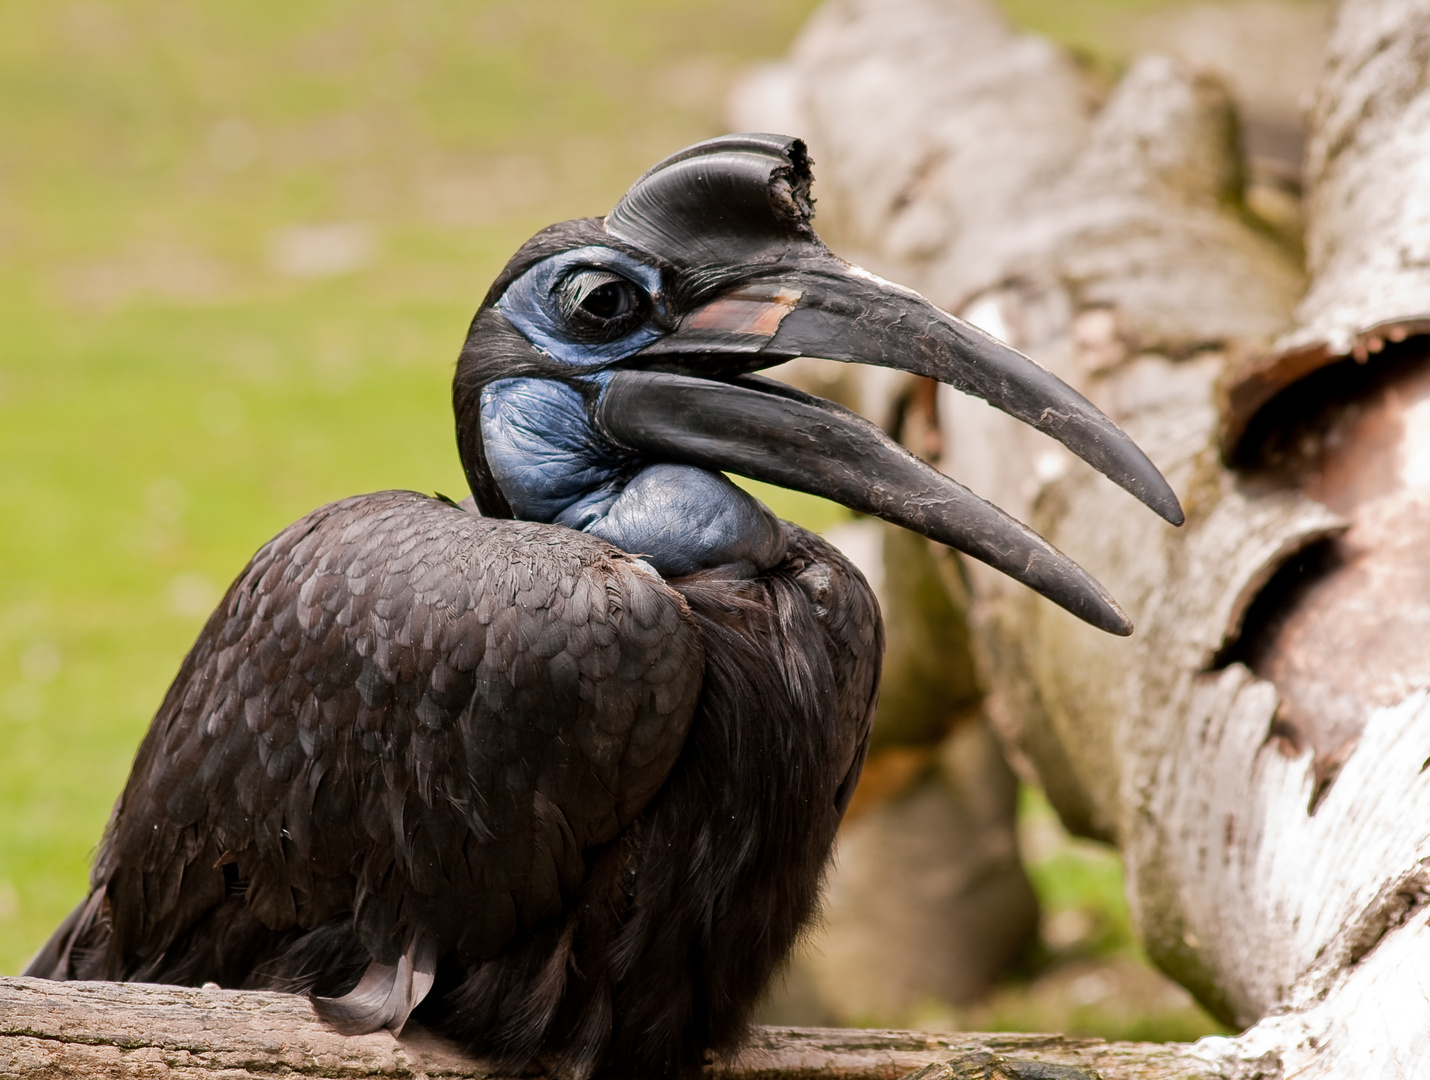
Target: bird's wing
406,712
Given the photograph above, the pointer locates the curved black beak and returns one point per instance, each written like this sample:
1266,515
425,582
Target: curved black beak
699,405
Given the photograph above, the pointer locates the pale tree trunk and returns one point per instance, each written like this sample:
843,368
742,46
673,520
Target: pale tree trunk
1259,749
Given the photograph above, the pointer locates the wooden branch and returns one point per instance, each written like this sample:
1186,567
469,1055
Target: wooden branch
123,1030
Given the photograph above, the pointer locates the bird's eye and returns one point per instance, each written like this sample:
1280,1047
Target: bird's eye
599,305
606,301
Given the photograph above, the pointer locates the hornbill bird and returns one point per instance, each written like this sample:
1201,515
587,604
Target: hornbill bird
559,773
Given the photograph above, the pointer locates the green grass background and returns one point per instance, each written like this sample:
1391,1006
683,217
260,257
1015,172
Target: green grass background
169,400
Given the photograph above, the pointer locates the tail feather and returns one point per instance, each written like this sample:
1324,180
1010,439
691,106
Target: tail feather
386,994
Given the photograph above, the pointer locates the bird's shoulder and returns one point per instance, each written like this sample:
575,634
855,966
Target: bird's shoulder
843,600
846,609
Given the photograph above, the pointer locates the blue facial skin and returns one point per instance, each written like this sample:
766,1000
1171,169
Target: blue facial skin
553,466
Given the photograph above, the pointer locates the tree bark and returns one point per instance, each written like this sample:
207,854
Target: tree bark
1257,750
101,1031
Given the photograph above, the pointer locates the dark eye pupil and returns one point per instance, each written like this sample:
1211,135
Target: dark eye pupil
596,304
605,301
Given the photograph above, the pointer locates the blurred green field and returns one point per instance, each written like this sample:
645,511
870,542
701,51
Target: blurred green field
239,248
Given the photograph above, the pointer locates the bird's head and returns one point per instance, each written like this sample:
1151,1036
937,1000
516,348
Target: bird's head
607,382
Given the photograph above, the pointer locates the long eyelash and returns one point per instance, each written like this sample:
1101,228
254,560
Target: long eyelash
577,288
587,282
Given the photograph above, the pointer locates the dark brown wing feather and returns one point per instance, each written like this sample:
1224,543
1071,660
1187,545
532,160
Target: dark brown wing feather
403,722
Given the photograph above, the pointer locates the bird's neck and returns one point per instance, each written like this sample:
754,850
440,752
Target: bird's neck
552,466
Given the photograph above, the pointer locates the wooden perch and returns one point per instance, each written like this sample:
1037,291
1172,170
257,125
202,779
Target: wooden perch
123,1030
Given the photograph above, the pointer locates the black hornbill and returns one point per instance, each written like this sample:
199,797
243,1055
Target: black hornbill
561,773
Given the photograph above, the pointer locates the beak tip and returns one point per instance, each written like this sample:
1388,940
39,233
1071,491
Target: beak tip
1073,589
1110,618
1150,487
1171,511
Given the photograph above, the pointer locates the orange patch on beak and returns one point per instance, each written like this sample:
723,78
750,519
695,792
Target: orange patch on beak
746,311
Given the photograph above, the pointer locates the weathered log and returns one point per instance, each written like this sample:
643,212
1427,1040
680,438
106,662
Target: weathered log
1274,821
125,1030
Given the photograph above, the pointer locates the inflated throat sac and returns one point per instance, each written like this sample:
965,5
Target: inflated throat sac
553,467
